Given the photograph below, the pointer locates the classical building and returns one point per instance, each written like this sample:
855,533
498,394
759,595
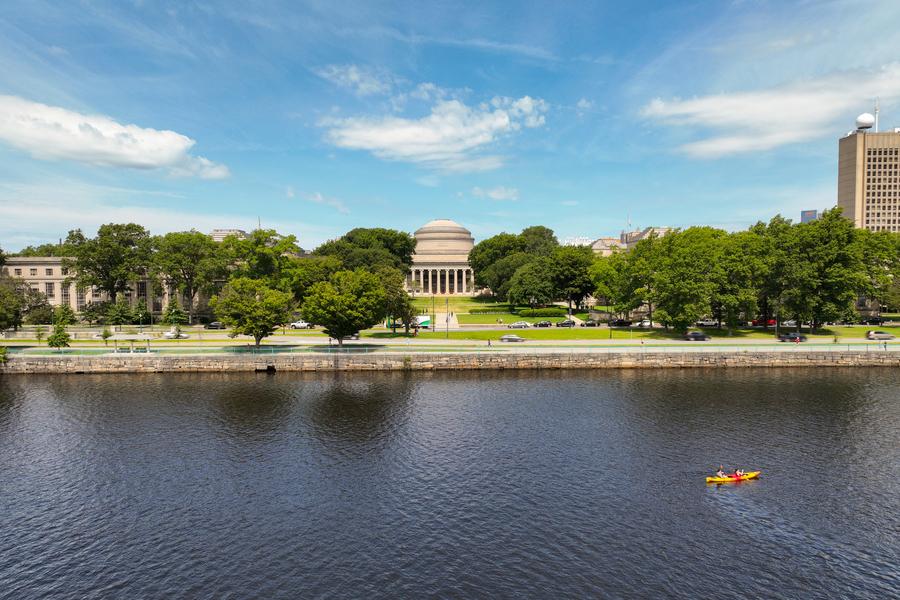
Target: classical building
441,262
219,235
869,176
606,245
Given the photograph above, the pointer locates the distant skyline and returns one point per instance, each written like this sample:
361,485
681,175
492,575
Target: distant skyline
317,117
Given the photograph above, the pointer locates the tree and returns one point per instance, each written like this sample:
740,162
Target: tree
397,303
59,338
106,334
490,250
345,304
498,276
190,262
538,240
608,274
118,255
95,312
264,254
371,248
39,332
141,315
64,315
39,312
173,315
250,307
12,304
303,273
569,273
119,313
531,285
737,275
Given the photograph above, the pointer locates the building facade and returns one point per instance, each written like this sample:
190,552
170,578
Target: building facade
869,179
441,261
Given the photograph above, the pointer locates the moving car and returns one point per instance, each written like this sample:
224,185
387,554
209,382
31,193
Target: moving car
619,323
589,323
543,324
511,337
644,323
174,334
352,336
301,325
215,325
791,337
566,323
696,336
519,325
707,322
879,335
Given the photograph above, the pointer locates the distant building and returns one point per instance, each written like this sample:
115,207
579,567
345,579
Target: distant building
218,235
606,245
441,262
869,176
577,241
808,216
629,238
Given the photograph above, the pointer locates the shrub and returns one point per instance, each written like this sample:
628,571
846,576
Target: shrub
497,310
2,355
554,311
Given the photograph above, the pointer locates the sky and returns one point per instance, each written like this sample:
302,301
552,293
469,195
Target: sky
316,117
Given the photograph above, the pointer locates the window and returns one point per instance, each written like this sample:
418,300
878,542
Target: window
79,298
18,272
49,290
95,293
48,272
32,272
64,271
64,294
142,290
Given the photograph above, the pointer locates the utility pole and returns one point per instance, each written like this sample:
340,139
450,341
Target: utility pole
447,319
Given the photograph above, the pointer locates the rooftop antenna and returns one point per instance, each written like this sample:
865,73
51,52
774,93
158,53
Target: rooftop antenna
258,222
876,114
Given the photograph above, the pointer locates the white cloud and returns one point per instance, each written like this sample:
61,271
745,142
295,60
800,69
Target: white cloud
498,193
450,138
766,119
50,133
318,198
363,81
584,104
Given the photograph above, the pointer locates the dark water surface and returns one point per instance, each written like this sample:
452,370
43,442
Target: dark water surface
528,485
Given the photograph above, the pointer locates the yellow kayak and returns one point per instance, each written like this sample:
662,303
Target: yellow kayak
729,479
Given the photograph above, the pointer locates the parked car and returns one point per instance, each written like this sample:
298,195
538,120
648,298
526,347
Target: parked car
879,335
644,323
873,321
352,336
589,323
215,325
301,325
543,324
619,323
760,322
511,337
707,322
791,337
566,323
519,325
789,323
696,336
174,334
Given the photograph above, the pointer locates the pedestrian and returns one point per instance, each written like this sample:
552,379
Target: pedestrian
489,342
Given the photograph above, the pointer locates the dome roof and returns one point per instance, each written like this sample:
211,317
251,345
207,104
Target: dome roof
443,241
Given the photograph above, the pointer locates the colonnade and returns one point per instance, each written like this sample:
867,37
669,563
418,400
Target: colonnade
442,281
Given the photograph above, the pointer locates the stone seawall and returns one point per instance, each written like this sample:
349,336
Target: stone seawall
135,363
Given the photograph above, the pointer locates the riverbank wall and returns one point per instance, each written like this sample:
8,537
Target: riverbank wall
436,361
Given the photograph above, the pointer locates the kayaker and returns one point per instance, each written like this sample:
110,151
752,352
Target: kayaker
738,473
721,472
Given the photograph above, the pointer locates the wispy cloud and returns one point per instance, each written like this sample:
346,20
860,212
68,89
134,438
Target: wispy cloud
319,198
53,133
497,193
451,138
762,120
361,80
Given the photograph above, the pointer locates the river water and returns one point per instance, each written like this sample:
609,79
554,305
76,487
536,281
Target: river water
450,485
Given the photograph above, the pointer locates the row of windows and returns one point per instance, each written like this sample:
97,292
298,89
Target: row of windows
883,151
32,272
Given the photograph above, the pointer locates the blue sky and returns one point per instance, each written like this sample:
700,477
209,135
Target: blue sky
318,117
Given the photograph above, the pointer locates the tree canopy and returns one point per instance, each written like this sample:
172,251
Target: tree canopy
250,307
347,303
117,256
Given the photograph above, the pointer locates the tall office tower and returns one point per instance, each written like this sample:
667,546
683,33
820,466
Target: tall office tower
869,176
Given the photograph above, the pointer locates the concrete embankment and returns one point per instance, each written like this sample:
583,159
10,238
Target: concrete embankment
430,361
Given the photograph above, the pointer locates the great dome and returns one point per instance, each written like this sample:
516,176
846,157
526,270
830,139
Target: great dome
443,241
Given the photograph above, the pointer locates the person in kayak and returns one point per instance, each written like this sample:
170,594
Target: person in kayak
721,472
738,473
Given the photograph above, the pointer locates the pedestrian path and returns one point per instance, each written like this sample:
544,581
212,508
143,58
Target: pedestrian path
444,321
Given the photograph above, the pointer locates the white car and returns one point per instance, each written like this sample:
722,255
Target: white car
174,334
878,335
511,337
707,323
790,323
301,325
644,323
519,325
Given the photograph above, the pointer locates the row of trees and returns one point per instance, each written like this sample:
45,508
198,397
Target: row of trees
256,283
814,272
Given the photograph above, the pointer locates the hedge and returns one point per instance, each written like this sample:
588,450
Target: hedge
490,311
556,311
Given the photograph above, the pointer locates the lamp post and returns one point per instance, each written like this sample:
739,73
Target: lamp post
447,319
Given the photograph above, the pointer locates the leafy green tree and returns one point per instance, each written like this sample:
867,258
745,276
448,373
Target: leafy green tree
263,255
3,355
570,273
397,303
302,273
371,248
173,315
95,312
609,276
498,276
39,333
345,304
59,338
64,315
140,314
118,255
490,250
190,262
641,276
12,304
538,240
40,312
531,284
105,335
119,313
250,307
737,276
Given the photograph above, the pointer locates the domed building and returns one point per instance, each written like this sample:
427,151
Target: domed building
441,262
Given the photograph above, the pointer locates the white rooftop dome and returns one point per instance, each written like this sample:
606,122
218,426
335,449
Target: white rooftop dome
443,241
865,121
